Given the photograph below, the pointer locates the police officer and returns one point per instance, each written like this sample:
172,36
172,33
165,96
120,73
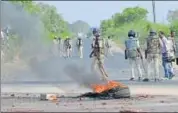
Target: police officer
97,54
152,54
80,46
133,53
55,46
108,46
68,46
60,44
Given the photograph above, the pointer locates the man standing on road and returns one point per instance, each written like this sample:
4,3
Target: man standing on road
68,47
98,55
55,46
166,60
60,46
133,53
171,51
2,44
174,41
79,45
108,46
152,54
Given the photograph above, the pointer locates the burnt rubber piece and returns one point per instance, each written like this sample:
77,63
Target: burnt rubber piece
115,93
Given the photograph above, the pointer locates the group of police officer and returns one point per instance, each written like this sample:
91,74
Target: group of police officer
100,49
156,47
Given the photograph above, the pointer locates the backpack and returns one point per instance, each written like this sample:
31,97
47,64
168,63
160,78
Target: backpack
153,45
131,47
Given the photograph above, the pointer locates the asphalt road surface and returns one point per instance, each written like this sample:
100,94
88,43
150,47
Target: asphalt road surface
51,77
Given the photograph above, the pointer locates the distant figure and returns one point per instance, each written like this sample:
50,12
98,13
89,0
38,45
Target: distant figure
133,53
68,47
108,46
2,43
60,46
55,46
79,45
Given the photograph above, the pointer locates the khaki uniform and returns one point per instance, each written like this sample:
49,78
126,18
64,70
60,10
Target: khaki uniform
80,49
68,48
108,47
153,52
98,59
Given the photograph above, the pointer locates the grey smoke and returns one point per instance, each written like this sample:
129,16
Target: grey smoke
81,75
28,27
42,65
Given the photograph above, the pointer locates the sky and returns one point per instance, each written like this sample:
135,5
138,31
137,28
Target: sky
93,12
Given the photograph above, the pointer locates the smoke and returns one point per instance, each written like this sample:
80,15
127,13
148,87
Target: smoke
82,76
31,32
42,66
28,27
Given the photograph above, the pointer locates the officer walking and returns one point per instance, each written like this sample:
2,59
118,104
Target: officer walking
79,45
98,54
108,46
152,54
133,54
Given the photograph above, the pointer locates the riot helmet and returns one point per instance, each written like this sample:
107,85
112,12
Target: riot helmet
131,33
152,32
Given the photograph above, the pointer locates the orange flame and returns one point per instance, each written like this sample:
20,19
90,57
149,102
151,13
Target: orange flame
104,87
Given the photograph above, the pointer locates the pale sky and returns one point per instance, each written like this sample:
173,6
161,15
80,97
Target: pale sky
94,11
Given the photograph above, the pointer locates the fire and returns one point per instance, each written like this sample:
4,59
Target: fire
104,87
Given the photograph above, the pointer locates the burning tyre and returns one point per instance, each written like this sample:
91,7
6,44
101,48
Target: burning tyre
110,90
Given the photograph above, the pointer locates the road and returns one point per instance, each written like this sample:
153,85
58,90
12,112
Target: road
52,76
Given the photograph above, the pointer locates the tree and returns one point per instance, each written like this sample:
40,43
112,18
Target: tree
174,26
53,22
133,18
36,21
129,15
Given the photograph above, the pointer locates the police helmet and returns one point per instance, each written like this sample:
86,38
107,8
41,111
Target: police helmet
152,32
95,30
131,33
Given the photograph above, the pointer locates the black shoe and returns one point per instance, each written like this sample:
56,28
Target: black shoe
132,79
145,80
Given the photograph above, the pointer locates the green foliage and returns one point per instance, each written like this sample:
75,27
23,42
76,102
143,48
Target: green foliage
53,22
131,19
174,26
128,15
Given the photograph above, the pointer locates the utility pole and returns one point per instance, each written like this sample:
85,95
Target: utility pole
154,13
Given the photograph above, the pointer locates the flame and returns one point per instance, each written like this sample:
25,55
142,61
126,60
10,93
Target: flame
99,88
